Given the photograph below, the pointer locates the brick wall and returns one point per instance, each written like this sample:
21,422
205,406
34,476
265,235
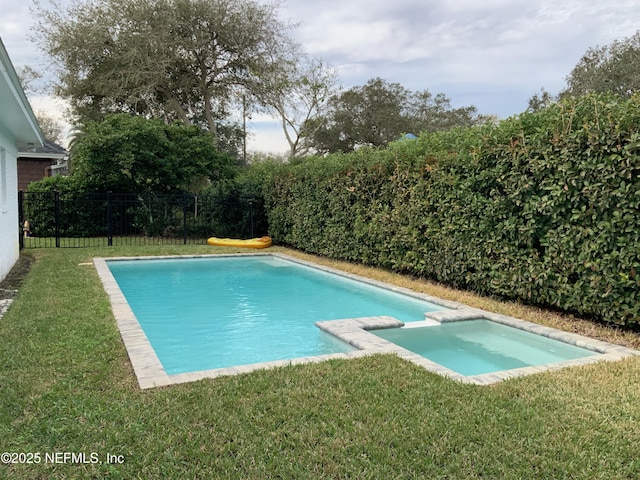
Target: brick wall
32,170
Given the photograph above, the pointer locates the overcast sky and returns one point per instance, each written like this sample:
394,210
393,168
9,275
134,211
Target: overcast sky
494,54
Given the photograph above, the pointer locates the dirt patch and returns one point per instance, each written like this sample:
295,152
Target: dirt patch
11,284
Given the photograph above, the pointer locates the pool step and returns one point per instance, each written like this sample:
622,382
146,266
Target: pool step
422,323
457,315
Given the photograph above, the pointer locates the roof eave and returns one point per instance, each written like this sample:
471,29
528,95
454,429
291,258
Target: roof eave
16,115
57,156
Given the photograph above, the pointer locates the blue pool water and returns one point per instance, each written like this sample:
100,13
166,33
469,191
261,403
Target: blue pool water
474,347
205,313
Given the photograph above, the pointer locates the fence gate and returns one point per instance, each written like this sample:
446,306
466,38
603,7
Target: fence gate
80,219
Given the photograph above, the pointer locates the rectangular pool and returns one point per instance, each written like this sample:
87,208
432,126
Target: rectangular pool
209,313
187,318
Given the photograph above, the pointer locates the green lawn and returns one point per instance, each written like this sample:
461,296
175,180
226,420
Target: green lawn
66,386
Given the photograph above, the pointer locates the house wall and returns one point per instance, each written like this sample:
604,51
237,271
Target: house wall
32,170
9,228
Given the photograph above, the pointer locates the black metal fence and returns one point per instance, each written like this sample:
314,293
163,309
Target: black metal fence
79,219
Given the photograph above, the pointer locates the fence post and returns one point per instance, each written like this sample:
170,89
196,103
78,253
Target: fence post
251,216
21,218
56,201
109,217
184,216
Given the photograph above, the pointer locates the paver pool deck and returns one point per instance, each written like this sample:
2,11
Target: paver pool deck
354,331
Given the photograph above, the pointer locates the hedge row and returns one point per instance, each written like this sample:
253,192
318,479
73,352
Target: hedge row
542,208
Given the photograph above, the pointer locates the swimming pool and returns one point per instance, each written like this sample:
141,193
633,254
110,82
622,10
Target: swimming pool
218,312
344,334
474,347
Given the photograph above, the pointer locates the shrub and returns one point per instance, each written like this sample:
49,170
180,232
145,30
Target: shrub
541,208
131,154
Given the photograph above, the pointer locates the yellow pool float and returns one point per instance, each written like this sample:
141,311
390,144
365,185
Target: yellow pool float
262,242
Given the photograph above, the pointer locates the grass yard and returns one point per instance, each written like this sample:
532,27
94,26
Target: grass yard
67,387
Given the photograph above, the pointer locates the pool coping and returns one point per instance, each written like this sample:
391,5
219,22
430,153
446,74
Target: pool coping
354,331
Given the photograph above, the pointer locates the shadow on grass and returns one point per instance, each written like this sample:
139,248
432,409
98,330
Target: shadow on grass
10,285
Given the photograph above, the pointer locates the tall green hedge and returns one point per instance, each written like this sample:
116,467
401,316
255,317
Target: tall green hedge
543,207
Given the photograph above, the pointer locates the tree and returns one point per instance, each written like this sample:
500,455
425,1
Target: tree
51,127
170,59
298,98
613,68
28,78
540,101
380,112
130,154
434,113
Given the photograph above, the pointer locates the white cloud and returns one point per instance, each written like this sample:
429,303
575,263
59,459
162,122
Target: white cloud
266,135
54,106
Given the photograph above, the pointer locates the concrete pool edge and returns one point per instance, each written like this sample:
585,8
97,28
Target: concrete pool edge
147,366
360,333
143,358
150,373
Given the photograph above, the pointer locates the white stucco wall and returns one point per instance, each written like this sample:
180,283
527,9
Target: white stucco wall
9,243
18,125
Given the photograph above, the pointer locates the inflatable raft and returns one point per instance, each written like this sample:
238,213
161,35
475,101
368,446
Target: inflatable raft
262,242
